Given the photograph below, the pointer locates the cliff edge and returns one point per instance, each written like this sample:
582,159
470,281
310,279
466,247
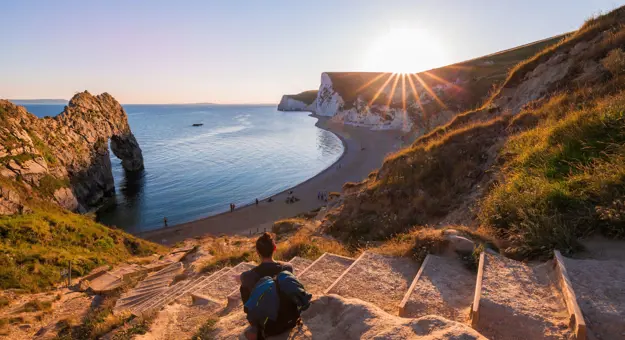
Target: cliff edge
63,159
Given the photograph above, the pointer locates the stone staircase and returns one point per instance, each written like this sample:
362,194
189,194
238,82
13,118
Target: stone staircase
504,299
148,288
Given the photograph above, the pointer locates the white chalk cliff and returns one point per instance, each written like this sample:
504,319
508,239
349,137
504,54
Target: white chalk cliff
380,106
290,104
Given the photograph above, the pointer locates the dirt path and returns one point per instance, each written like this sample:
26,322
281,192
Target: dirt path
364,152
378,279
445,288
600,290
519,297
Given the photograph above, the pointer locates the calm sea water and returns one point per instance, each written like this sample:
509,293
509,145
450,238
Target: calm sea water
240,153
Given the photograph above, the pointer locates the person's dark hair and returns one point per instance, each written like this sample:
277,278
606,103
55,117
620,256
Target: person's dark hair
265,245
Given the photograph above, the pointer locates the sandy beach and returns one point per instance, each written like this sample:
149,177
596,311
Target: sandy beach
364,151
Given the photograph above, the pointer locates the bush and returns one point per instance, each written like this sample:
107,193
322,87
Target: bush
287,226
36,306
416,244
615,62
204,333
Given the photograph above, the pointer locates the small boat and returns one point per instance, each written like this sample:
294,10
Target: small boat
198,124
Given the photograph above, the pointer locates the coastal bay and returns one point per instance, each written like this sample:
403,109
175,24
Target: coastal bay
364,151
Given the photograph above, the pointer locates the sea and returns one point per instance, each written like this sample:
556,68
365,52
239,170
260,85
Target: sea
239,154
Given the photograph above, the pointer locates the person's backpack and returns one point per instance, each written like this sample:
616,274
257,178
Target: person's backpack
276,303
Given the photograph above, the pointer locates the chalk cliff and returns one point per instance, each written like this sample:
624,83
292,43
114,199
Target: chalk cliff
304,101
64,159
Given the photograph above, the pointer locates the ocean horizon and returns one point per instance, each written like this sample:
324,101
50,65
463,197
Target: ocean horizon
240,153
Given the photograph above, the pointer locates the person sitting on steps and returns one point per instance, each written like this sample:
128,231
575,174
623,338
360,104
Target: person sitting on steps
290,297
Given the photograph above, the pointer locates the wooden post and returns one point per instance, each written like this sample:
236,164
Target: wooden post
404,301
576,318
475,307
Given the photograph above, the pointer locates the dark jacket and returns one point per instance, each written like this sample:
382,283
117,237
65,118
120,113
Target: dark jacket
251,277
287,312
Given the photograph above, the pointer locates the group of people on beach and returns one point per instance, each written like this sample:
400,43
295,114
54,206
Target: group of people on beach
232,207
291,198
322,196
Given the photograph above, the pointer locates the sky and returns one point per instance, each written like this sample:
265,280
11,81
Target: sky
153,51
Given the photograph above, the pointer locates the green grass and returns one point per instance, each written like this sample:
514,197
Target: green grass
48,184
35,247
205,332
563,179
37,305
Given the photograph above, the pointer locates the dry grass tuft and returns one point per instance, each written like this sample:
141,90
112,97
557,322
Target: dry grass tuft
416,244
287,226
305,244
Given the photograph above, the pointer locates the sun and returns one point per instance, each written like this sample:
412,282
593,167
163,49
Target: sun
405,50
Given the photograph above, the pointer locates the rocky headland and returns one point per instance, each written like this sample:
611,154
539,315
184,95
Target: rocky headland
63,159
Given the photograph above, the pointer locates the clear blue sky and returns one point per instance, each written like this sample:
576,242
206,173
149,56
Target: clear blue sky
252,51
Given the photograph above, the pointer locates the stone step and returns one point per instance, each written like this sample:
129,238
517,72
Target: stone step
156,283
379,279
175,292
519,297
171,269
136,300
443,287
323,272
105,283
299,264
218,290
215,275
599,290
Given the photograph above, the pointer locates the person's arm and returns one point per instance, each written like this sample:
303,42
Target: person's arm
245,289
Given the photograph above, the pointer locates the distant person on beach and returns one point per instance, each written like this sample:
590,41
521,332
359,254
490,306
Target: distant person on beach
257,201
165,221
271,310
270,199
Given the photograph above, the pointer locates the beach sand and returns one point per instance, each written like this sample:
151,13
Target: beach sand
364,151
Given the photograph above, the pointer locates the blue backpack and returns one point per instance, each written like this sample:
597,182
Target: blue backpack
270,294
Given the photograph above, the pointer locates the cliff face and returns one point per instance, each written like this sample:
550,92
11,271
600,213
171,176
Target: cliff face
304,101
289,104
411,102
64,159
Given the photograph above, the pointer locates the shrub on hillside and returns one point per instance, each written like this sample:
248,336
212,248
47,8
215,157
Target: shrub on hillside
288,225
615,62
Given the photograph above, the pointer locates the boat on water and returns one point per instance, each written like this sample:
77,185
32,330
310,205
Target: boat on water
198,124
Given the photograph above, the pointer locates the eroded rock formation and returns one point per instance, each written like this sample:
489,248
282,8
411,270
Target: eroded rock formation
64,159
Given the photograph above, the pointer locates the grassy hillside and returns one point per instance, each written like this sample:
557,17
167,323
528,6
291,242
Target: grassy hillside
537,180
36,246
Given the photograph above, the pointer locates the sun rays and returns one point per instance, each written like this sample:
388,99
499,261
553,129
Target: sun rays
406,86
